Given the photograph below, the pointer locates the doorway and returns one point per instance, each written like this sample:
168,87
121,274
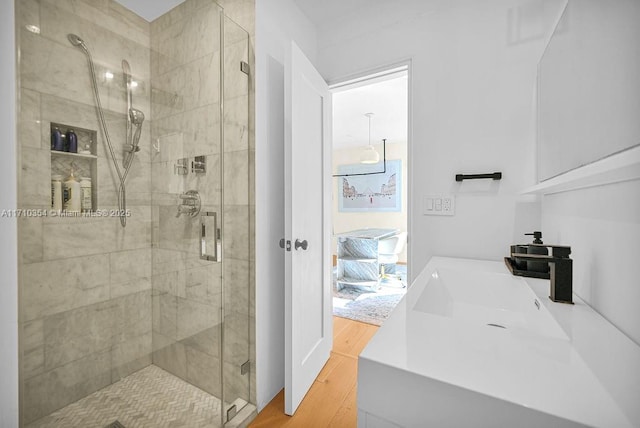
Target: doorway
370,162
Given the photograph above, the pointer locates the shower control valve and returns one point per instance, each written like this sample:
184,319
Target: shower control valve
189,203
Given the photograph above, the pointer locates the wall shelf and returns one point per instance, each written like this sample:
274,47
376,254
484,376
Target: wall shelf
73,155
621,166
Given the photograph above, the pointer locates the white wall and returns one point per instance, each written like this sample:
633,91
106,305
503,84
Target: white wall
602,224
278,22
346,221
8,226
473,73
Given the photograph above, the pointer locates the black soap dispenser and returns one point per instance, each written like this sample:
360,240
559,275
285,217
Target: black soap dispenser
537,248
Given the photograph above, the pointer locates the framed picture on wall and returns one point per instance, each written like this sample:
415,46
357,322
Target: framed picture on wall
372,192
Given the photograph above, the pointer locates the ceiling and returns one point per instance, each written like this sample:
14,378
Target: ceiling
319,12
386,98
316,11
150,9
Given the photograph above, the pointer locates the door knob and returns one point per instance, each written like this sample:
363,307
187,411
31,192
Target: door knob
298,244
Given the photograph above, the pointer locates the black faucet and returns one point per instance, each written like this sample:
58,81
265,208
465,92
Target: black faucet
561,267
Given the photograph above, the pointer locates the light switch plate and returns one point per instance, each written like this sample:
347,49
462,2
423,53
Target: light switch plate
439,205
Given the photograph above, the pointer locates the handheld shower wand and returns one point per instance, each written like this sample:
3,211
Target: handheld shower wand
134,117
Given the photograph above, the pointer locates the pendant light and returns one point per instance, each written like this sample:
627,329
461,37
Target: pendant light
369,154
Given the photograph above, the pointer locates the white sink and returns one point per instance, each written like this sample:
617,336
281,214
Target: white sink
442,359
494,300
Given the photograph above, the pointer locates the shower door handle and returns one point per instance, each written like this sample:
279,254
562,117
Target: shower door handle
217,241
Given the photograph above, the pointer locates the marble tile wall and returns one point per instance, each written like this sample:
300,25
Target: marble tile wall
85,283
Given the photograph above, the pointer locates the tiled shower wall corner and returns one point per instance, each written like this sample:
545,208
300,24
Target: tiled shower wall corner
85,283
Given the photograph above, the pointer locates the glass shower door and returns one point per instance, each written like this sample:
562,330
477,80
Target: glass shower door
237,252
200,188
187,196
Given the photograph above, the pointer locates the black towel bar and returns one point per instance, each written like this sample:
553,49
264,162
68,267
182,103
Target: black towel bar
494,176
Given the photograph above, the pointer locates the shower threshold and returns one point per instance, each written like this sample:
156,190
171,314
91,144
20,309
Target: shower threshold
150,397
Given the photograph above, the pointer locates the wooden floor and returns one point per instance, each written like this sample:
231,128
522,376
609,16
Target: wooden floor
331,401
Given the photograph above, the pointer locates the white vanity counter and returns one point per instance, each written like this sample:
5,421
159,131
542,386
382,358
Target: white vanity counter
443,358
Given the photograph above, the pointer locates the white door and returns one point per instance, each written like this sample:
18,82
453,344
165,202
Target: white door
308,310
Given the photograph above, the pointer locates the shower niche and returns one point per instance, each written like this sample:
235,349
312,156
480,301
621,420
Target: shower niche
84,162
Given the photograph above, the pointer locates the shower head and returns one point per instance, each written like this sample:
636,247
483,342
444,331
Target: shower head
136,116
76,41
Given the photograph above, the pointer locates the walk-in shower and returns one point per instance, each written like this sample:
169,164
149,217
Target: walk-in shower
148,324
134,118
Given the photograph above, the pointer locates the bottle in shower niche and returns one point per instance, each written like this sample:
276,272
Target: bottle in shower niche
72,196
57,143
72,141
86,149
85,190
56,193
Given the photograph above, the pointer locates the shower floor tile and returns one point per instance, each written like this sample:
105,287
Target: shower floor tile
150,398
